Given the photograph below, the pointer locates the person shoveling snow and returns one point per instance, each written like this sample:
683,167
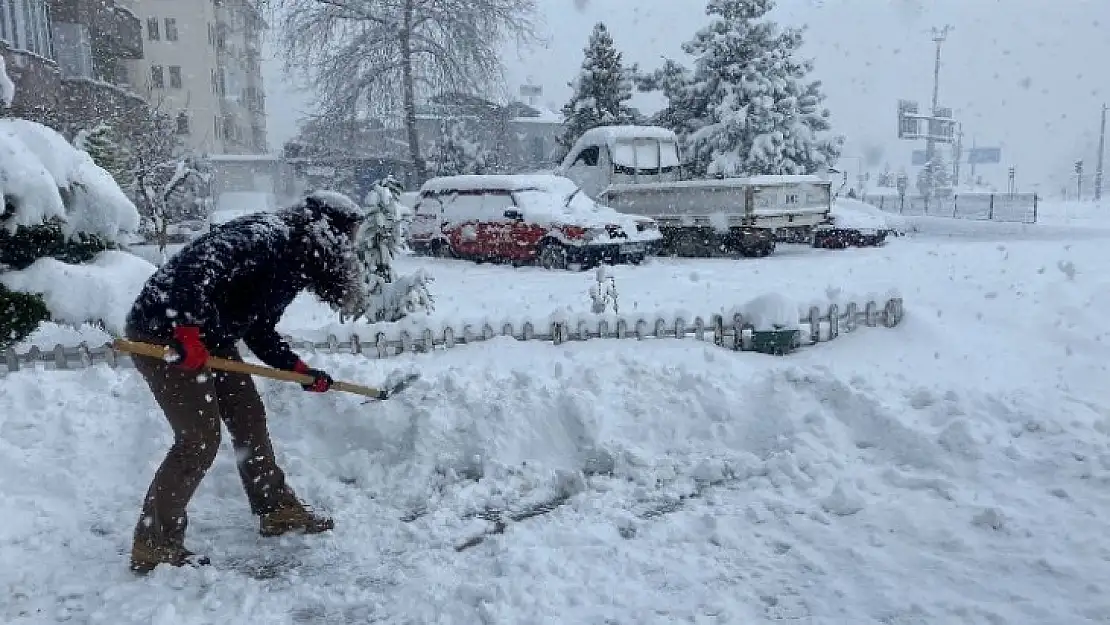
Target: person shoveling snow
234,283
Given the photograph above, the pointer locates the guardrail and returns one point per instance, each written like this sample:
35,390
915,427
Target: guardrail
734,334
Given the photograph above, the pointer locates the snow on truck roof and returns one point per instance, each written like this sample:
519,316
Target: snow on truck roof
523,182
609,134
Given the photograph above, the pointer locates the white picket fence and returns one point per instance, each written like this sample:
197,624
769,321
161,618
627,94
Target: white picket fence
734,334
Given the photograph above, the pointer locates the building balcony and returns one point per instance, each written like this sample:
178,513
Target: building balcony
85,102
37,84
112,26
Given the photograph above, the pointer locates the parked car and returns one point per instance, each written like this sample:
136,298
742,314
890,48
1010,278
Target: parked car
542,219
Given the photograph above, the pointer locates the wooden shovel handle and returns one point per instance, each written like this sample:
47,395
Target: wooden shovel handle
238,366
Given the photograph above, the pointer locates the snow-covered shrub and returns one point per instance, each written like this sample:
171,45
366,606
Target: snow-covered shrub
21,248
57,203
100,290
603,292
20,315
460,152
383,296
43,176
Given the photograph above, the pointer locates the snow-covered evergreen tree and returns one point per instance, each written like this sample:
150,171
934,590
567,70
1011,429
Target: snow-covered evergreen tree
100,143
384,296
602,90
686,106
939,170
747,107
460,152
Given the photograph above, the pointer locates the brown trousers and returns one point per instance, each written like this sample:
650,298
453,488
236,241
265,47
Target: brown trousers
195,404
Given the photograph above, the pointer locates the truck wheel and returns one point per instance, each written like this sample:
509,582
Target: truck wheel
552,256
689,245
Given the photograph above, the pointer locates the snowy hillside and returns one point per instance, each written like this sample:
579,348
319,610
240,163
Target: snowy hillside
888,476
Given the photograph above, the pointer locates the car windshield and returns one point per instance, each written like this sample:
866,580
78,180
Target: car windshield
550,201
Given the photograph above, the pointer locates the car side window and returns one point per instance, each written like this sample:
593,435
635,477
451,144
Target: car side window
588,157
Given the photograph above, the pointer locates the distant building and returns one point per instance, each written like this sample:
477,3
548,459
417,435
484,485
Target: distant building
522,136
203,66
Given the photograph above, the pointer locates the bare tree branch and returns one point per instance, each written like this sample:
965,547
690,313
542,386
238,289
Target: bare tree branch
378,57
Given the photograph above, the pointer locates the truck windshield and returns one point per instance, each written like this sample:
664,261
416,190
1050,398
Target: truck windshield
645,156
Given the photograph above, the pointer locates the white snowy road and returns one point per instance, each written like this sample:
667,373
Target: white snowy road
951,470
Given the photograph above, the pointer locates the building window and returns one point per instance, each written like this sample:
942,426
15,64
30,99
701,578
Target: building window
219,128
182,123
25,25
175,76
157,79
152,32
211,35
229,128
74,50
171,29
221,81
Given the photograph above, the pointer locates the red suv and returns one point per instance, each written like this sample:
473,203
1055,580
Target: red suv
522,219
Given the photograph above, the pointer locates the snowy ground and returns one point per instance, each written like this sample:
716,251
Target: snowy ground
951,470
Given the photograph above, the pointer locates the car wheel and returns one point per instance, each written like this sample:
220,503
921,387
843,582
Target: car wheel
553,256
441,249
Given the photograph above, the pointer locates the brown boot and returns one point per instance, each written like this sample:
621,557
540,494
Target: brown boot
145,556
293,516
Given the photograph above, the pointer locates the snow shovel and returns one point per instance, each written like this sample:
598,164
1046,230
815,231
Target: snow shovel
238,366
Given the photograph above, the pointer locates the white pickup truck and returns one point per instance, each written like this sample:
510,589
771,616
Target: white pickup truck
637,169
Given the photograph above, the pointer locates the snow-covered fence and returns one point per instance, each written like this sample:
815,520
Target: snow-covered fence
1007,207
734,333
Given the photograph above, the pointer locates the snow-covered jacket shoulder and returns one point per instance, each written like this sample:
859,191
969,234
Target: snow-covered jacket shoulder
236,281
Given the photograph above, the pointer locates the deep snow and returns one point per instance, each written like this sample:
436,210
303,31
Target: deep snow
951,470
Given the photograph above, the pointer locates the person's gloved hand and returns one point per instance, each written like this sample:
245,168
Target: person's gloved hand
192,355
321,382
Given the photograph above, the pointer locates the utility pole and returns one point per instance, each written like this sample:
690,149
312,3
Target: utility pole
957,154
1101,151
939,36
1079,180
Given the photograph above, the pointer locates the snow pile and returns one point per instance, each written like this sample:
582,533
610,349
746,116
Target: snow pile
101,290
770,311
849,213
47,177
7,87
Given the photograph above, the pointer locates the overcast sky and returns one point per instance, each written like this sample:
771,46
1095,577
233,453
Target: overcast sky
1027,75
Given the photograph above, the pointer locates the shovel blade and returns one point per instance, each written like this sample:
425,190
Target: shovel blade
401,384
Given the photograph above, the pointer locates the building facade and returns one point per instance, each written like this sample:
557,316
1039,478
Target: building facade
202,66
522,136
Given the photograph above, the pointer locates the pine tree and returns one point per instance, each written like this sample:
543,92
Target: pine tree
747,107
100,143
941,173
602,90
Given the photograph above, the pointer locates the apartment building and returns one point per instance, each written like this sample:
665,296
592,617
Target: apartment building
202,65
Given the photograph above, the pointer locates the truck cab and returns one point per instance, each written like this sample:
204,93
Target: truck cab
612,155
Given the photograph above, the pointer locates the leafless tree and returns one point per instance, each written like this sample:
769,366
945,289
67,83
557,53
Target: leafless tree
375,57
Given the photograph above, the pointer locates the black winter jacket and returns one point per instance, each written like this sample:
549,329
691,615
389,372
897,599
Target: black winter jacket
236,281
